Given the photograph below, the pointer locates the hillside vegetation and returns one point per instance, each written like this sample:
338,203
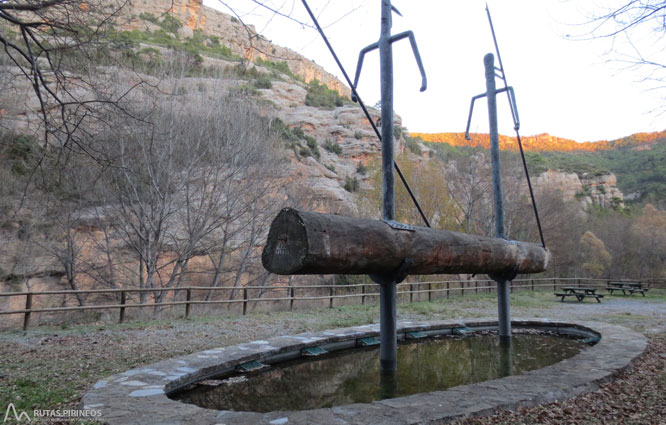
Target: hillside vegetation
545,142
638,161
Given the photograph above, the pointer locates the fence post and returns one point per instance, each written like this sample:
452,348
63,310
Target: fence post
429,292
462,288
554,285
532,280
244,301
331,292
411,293
291,301
188,298
476,286
123,300
363,294
447,289
28,307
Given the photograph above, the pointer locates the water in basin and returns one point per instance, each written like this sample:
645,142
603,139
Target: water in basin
353,376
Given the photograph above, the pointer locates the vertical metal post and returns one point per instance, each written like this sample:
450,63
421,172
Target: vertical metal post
330,294
28,307
491,96
363,295
447,289
387,292
388,349
503,306
123,300
430,292
244,301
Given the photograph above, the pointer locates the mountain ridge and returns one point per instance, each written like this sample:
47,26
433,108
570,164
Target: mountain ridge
547,143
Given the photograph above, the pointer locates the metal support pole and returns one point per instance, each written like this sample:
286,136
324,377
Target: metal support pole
504,309
388,358
387,322
503,306
491,96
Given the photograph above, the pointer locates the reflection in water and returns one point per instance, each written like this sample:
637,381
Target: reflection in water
505,357
353,376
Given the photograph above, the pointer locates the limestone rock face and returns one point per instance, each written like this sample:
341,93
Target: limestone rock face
243,40
586,189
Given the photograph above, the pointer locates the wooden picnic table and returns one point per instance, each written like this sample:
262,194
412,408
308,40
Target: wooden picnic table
580,293
625,287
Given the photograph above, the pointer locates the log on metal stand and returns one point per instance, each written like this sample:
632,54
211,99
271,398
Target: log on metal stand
301,242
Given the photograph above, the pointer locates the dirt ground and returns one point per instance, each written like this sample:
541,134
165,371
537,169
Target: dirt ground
49,368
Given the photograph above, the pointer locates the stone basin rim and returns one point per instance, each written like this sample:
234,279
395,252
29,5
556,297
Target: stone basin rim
141,395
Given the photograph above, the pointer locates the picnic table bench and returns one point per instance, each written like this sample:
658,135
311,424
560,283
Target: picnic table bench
579,293
625,287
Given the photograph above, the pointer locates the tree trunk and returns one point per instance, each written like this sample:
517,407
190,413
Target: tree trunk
302,242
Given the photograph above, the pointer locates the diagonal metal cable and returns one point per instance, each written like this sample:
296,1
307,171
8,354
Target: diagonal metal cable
516,128
365,110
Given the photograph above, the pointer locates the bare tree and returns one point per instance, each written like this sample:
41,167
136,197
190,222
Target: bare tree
636,29
180,182
469,183
51,45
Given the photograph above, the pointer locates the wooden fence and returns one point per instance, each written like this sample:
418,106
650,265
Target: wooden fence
421,291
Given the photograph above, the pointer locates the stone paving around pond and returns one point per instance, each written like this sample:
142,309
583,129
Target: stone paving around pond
139,396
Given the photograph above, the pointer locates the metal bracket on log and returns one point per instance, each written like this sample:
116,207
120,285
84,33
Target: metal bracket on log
302,242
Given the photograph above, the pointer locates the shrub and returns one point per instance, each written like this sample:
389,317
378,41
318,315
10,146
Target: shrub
413,146
332,147
320,96
358,135
361,169
312,145
263,82
21,151
281,66
351,184
331,168
170,24
148,17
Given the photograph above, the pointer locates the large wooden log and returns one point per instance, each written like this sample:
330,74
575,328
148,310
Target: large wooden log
301,242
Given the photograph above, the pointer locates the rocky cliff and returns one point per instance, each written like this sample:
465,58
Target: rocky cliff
587,190
242,38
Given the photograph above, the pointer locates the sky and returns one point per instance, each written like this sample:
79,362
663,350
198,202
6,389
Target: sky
566,88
